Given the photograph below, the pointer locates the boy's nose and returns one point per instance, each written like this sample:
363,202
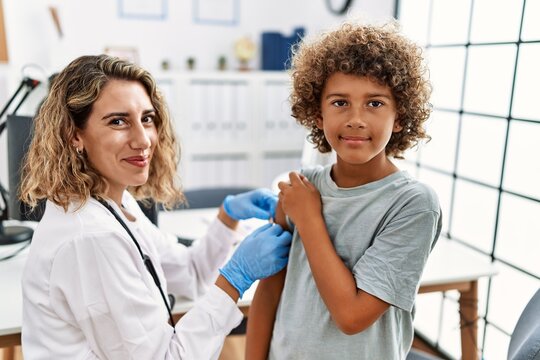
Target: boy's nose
356,120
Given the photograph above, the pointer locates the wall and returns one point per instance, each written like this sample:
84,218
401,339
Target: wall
90,26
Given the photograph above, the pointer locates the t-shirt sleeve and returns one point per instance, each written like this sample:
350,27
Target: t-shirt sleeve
100,286
392,266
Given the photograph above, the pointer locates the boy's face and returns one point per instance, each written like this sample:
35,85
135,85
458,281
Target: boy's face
358,117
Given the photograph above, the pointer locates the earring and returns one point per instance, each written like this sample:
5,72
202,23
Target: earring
77,150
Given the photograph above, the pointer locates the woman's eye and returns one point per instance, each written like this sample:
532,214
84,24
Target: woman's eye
339,103
148,119
375,103
117,122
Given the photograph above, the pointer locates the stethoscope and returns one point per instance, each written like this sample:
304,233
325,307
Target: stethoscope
146,259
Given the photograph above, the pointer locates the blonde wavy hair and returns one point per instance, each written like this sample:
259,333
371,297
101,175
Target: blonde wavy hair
52,168
377,52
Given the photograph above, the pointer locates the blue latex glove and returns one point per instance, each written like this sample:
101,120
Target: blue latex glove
260,203
262,254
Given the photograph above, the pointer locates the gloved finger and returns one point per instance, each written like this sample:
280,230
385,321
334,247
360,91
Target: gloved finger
260,196
267,201
283,252
260,229
275,231
285,243
284,239
272,209
269,204
270,231
260,213
270,201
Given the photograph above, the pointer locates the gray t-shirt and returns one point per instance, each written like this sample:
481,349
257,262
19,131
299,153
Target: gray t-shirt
383,231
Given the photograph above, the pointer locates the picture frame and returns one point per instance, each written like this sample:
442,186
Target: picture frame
143,9
216,12
129,53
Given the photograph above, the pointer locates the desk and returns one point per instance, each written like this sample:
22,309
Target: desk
441,274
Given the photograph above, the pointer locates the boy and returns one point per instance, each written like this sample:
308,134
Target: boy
363,229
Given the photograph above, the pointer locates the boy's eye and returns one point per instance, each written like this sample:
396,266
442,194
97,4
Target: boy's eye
375,103
339,103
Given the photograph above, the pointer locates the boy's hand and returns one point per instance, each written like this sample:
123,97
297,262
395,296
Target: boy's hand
300,199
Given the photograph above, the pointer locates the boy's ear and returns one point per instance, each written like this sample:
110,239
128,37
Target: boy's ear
319,122
397,126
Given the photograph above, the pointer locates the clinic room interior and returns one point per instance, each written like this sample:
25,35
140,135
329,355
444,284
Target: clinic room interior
224,69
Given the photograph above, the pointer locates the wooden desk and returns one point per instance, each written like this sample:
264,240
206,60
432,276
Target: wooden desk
450,267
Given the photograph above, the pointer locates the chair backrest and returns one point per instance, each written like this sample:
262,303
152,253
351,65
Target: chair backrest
150,209
525,340
209,197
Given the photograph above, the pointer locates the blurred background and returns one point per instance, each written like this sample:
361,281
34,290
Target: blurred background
222,67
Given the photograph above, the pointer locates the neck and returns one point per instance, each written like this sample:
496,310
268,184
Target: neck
116,195
349,175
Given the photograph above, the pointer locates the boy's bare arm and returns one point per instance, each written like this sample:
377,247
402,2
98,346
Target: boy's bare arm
262,312
352,310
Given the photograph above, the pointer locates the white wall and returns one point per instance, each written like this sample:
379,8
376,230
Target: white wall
90,26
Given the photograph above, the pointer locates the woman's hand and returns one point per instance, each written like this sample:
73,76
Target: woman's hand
262,254
300,199
259,203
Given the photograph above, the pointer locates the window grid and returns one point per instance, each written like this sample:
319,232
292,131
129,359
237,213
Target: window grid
454,174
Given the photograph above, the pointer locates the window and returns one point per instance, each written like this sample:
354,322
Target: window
483,57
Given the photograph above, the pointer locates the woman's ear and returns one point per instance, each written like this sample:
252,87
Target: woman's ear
77,141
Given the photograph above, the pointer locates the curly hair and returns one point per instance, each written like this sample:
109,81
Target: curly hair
52,168
377,52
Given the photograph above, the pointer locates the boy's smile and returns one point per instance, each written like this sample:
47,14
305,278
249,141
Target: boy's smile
358,117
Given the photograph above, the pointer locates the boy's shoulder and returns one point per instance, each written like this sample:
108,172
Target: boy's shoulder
420,193
312,170
314,173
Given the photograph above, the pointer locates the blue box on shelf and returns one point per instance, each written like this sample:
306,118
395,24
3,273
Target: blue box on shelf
276,49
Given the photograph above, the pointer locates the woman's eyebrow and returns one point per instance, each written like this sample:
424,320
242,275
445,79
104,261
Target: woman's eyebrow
114,114
125,114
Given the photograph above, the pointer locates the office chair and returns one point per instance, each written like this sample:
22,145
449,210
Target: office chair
150,209
209,197
195,199
206,198
525,339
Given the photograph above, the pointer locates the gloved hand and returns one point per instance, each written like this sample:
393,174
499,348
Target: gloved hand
263,253
260,203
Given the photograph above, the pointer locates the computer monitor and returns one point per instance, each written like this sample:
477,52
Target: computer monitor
19,136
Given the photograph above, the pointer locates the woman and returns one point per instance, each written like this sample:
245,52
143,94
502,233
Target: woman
98,270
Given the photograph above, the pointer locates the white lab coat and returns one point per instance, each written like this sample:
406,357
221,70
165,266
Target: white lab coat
88,295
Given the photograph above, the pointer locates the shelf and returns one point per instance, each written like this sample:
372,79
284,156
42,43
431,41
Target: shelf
235,128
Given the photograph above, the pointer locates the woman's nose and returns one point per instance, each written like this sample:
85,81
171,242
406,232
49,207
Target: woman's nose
140,137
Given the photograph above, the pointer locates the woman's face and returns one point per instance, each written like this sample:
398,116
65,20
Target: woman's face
120,135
